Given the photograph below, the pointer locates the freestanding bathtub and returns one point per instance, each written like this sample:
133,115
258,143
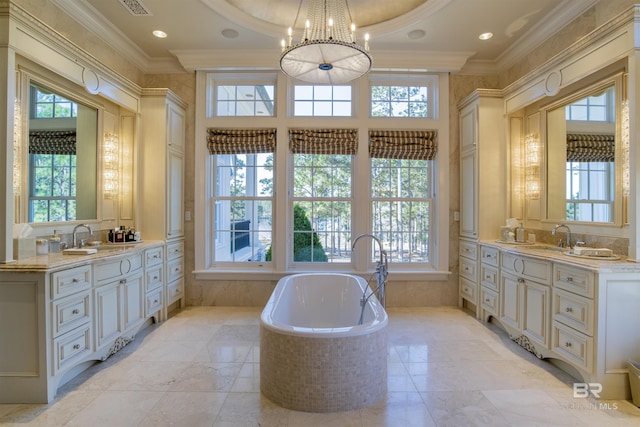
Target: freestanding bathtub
314,356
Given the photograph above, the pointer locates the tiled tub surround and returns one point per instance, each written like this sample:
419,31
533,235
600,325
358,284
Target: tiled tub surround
314,354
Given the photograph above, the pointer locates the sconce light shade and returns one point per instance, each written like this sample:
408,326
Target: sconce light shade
626,173
110,166
17,147
532,166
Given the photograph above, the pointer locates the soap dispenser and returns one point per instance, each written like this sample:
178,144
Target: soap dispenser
520,234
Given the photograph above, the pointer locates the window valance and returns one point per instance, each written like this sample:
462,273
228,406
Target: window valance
236,141
403,144
324,141
52,142
591,147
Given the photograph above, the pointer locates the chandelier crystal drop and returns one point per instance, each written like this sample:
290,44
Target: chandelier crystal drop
328,52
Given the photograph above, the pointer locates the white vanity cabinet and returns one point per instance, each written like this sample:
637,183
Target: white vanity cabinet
482,184
175,273
584,314
60,313
119,302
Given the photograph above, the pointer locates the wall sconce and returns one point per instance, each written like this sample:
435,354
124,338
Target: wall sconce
532,166
17,147
110,166
626,174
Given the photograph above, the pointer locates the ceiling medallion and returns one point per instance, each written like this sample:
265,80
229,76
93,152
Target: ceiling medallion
328,52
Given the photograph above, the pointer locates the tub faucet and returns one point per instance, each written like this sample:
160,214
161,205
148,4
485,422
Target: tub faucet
75,230
555,229
381,272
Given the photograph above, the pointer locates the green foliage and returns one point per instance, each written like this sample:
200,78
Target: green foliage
306,243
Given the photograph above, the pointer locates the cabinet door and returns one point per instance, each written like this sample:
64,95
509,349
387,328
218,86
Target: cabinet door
175,127
509,306
175,198
537,313
468,192
108,303
134,301
468,129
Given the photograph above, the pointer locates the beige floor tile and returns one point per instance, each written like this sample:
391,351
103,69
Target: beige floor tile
192,409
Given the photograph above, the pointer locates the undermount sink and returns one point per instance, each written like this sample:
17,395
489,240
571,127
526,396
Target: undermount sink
551,248
79,251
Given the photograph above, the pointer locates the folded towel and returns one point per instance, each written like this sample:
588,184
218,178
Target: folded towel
581,250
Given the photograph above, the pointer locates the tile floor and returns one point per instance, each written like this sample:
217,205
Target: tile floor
201,368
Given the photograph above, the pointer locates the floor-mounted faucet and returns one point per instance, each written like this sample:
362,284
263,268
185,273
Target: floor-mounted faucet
381,273
555,229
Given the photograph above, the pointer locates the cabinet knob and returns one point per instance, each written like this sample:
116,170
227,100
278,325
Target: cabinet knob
155,278
568,309
569,279
567,344
76,346
155,301
520,280
487,300
75,311
74,280
123,281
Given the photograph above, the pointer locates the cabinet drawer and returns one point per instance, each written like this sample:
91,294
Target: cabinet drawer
70,281
572,346
153,301
112,269
574,280
175,250
468,269
489,300
153,256
468,290
70,347
154,278
175,291
489,255
68,313
489,276
528,268
468,250
573,310
176,270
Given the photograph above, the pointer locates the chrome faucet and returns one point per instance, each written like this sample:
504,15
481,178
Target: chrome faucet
555,229
381,272
75,230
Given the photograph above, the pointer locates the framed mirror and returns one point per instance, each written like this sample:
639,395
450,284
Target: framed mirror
582,160
62,153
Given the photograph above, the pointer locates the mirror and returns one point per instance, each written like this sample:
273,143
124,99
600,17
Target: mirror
582,133
62,152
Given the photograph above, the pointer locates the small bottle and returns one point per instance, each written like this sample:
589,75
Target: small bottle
520,234
110,236
54,242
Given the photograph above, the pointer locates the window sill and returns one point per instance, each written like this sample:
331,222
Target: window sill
400,276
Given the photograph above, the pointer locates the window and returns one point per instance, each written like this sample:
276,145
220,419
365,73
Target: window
401,208
322,100
402,98
590,191
243,194
596,108
48,105
322,171
298,204
52,194
245,100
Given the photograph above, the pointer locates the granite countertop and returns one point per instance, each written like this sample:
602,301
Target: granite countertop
58,261
560,255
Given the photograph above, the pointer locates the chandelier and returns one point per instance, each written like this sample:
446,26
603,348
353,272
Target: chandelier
327,51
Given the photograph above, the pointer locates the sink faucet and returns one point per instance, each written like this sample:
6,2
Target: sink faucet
555,229
75,230
381,271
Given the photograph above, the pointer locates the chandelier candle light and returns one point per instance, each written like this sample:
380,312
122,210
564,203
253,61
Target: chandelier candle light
327,52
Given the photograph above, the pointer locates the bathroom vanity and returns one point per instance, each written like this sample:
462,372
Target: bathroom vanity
582,312
59,314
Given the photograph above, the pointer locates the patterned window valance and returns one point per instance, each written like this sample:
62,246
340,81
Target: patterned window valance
324,141
237,141
591,147
403,144
52,142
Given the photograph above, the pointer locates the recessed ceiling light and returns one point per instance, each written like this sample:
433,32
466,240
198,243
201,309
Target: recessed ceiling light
485,36
160,34
230,33
416,34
